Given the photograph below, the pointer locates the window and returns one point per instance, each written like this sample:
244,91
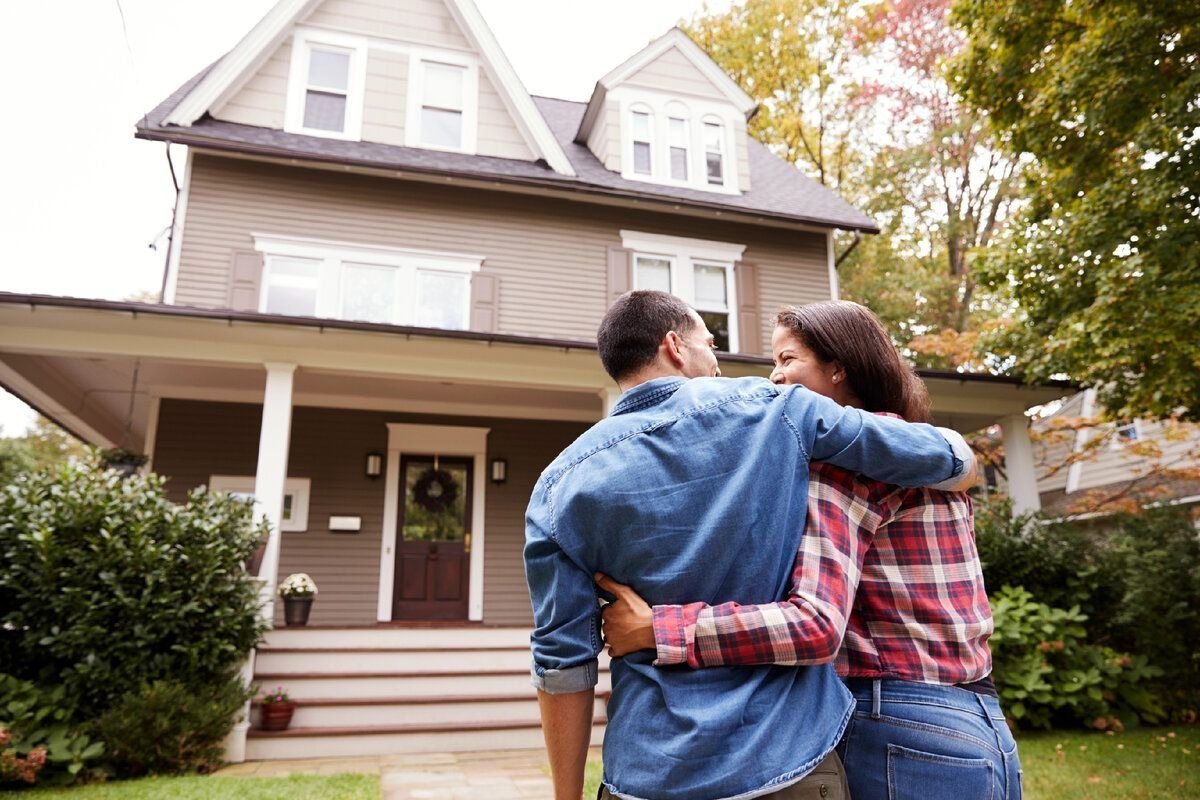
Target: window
711,299
677,133
1127,432
442,105
327,89
294,516
652,273
643,162
714,149
305,277
325,85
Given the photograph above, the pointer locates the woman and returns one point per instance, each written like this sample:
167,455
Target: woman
887,582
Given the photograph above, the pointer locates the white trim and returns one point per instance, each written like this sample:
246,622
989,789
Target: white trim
270,475
704,249
303,41
446,440
691,51
305,247
834,286
1019,464
299,488
173,257
414,102
151,437
1075,471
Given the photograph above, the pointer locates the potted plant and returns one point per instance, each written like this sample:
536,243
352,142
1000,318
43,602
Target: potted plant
277,709
125,462
297,591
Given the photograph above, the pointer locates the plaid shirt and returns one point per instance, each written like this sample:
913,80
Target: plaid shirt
887,583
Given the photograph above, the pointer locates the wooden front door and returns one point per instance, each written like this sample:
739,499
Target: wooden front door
433,541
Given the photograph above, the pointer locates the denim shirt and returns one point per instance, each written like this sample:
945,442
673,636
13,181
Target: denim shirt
697,490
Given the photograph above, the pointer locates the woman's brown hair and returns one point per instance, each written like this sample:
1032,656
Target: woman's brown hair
845,332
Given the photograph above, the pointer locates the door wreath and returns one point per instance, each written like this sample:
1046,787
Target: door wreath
436,490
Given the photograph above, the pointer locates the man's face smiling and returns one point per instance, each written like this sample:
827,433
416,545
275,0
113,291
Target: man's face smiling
697,345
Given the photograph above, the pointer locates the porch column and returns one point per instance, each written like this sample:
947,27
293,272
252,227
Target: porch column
608,398
1018,461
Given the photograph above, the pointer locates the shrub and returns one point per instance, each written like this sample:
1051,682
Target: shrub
171,727
39,740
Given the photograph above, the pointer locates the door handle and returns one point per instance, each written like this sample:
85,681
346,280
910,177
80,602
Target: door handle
467,543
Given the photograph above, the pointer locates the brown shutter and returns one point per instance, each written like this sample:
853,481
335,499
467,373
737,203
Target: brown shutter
245,280
485,302
749,309
620,272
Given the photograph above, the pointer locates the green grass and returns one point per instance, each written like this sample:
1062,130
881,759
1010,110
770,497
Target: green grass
1140,764
206,787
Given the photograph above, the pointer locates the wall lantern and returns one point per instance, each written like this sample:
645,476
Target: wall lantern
499,470
374,465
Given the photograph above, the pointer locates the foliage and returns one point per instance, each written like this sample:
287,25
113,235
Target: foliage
169,726
105,585
344,786
277,696
1105,262
41,740
44,445
122,456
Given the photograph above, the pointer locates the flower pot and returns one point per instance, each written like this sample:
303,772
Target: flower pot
295,610
277,716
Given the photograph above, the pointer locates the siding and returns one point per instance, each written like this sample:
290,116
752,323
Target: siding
605,139
550,256
673,73
498,133
263,99
425,22
385,97
199,439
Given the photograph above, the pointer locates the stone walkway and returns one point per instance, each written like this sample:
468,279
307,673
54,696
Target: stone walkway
503,774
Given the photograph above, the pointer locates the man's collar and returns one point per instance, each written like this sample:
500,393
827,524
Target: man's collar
647,394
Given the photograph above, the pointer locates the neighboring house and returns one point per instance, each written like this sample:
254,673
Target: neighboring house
386,270
1086,467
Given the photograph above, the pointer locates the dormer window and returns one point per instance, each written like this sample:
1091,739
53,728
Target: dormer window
442,98
714,152
643,142
325,85
677,140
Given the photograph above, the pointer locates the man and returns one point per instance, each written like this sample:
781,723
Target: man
689,490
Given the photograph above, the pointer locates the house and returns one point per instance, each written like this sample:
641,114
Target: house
386,270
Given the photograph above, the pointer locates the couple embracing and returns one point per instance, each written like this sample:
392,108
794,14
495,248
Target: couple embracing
753,535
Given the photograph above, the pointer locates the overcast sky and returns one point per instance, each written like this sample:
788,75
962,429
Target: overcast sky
81,200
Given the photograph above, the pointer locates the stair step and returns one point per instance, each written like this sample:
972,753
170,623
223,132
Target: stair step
405,686
418,638
453,711
303,661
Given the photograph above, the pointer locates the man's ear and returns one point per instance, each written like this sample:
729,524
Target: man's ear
672,344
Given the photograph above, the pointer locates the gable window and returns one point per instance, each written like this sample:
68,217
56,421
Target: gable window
643,142
677,135
697,271
443,94
714,152
391,286
325,85
1127,432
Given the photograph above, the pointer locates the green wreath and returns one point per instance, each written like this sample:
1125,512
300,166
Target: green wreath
436,490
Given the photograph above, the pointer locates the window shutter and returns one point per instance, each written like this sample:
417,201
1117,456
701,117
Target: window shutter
749,309
485,302
620,272
245,280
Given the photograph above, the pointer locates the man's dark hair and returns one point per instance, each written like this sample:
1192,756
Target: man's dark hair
634,327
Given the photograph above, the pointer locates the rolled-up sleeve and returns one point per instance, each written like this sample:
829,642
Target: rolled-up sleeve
566,636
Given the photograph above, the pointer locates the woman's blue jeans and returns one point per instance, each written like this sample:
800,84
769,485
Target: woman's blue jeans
919,741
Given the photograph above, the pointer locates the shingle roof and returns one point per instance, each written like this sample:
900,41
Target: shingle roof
778,190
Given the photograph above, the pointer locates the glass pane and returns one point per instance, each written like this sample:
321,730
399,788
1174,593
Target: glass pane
444,85
716,168
678,131
324,111
679,163
710,287
712,137
368,293
641,158
641,126
295,301
435,500
329,70
296,268
654,273
441,300
718,326
441,128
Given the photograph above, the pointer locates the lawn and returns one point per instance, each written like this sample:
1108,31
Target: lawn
1158,763
201,787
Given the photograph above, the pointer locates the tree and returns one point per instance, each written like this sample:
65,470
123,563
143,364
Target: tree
1105,263
45,444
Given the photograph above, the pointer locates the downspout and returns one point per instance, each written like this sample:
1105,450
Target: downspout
847,251
162,292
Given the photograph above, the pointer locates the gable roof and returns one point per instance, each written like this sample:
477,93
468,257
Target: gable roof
677,39
226,76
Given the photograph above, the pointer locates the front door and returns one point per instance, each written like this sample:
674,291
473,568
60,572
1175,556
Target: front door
433,542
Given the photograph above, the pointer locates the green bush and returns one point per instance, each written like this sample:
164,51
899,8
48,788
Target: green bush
41,742
171,727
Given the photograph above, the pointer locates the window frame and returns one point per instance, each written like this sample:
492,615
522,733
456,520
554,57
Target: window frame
299,488
415,101
1119,440
678,112
303,42
634,111
707,120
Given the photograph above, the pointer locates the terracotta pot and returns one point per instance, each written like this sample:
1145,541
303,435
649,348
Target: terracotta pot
277,716
296,609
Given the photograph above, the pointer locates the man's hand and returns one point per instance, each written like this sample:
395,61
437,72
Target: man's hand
628,623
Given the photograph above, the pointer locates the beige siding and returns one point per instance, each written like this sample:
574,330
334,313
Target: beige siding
672,72
385,97
425,22
262,100
499,135
743,156
605,138
549,256
199,439
1116,464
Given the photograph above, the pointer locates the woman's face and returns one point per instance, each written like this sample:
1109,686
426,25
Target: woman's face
796,363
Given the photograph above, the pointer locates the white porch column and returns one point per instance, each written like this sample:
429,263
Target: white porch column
1019,465
608,398
269,480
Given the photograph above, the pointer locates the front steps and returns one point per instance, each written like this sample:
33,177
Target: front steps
380,691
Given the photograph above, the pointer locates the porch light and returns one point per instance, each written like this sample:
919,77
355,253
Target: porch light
499,470
374,465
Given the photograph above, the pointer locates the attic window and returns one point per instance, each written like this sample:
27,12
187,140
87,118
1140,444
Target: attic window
677,134
327,89
714,153
442,105
325,85
643,123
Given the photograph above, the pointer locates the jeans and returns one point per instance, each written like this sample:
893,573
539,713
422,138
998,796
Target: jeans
826,782
919,741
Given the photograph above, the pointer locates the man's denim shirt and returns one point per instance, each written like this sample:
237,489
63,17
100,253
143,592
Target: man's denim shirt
697,491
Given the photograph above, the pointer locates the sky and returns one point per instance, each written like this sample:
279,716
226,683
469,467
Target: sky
84,206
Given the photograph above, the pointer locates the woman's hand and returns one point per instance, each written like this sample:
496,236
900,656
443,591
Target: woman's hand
628,623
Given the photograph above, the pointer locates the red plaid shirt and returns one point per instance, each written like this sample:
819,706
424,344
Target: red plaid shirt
887,583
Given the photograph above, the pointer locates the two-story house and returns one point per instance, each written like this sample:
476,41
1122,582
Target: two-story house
386,271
